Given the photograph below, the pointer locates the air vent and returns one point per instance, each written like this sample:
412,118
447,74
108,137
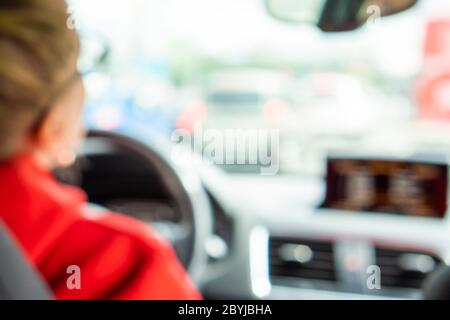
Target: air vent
404,269
303,259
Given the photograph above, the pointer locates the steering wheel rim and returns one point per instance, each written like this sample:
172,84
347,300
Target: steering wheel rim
180,179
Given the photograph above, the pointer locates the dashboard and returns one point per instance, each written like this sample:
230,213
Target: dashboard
288,237
322,244
319,253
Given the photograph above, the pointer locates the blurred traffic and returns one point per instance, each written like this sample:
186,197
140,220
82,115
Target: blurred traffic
382,86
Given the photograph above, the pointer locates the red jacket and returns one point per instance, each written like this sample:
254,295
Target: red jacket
118,257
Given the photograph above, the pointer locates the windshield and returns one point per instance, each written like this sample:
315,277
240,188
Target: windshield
294,92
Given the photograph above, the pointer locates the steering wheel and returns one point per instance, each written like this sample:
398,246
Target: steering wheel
107,159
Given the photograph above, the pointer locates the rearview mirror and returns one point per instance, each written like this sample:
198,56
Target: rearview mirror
335,15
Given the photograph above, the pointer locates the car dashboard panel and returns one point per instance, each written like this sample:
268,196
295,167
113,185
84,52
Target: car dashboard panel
380,243
349,267
327,249
401,187
380,231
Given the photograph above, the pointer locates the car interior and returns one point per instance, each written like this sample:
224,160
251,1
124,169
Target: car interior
374,202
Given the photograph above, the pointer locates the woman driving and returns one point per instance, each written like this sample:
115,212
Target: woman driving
41,98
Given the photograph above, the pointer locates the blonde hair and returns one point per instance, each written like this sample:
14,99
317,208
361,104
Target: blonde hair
38,53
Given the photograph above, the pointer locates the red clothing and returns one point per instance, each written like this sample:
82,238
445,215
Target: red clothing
119,258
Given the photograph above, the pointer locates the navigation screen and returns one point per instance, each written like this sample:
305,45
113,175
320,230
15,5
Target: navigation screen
389,186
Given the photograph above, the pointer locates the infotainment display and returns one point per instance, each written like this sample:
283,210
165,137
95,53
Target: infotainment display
390,186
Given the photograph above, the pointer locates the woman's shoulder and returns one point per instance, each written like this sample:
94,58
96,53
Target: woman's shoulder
118,257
